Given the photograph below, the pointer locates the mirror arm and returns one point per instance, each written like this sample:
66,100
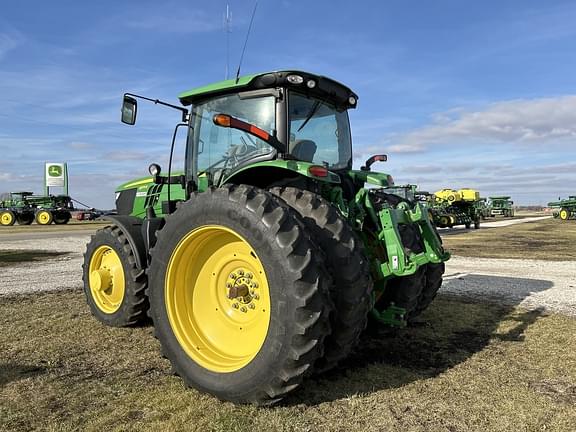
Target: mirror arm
184,111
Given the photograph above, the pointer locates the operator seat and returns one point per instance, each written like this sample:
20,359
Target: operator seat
303,150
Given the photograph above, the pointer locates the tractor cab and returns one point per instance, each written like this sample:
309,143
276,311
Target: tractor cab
261,126
289,116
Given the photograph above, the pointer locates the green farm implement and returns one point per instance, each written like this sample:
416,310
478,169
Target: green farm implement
456,207
501,206
25,207
566,208
264,259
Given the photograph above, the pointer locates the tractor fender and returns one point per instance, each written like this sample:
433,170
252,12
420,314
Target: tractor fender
264,174
131,226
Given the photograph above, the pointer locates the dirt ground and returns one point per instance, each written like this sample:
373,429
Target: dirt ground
497,354
478,366
548,239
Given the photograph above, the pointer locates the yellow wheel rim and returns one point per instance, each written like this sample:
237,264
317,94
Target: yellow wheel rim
106,279
217,298
563,214
43,218
6,218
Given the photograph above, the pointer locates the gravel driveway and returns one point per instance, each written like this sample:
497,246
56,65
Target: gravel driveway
530,283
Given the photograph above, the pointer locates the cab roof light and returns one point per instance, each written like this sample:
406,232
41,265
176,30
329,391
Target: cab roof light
295,79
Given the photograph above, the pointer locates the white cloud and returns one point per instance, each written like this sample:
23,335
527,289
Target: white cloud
8,42
541,121
125,155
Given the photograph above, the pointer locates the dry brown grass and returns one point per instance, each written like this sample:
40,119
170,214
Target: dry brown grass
549,239
479,367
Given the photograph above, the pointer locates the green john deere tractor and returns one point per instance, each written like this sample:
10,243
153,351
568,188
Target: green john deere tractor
25,207
262,262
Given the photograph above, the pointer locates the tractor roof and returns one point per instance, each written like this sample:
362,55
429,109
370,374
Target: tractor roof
500,197
322,86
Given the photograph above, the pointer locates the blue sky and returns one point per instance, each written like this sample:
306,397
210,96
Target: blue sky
458,93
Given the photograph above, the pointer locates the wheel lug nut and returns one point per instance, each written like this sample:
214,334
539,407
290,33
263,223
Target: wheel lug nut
229,285
255,285
251,292
257,297
233,276
251,306
243,309
235,305
241,272
249,275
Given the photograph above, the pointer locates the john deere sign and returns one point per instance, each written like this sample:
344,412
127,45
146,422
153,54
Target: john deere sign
55,174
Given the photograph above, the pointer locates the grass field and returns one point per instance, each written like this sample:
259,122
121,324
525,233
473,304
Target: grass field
548,239
479,367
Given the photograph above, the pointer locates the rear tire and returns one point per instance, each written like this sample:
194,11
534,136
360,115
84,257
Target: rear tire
113,285
62,217
189,269
348,265
44,217
564,214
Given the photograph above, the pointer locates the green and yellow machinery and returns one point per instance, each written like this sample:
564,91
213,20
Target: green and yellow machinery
484,208
25,207
566,208
264,259
501,206
456,207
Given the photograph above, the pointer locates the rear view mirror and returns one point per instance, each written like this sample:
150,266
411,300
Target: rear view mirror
129,108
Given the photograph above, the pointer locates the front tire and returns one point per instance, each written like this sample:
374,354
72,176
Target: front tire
432,283
7,218
113,285
346,261
260,349
25,218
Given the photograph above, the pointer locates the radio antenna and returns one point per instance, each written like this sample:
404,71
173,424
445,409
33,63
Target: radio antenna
246,42
227,23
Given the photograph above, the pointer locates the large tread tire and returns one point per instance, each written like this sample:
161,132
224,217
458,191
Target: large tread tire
7,218
134,306
404,292
564,213
62,217
432,283
346,260
25,218
298,287
415,292
44,217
